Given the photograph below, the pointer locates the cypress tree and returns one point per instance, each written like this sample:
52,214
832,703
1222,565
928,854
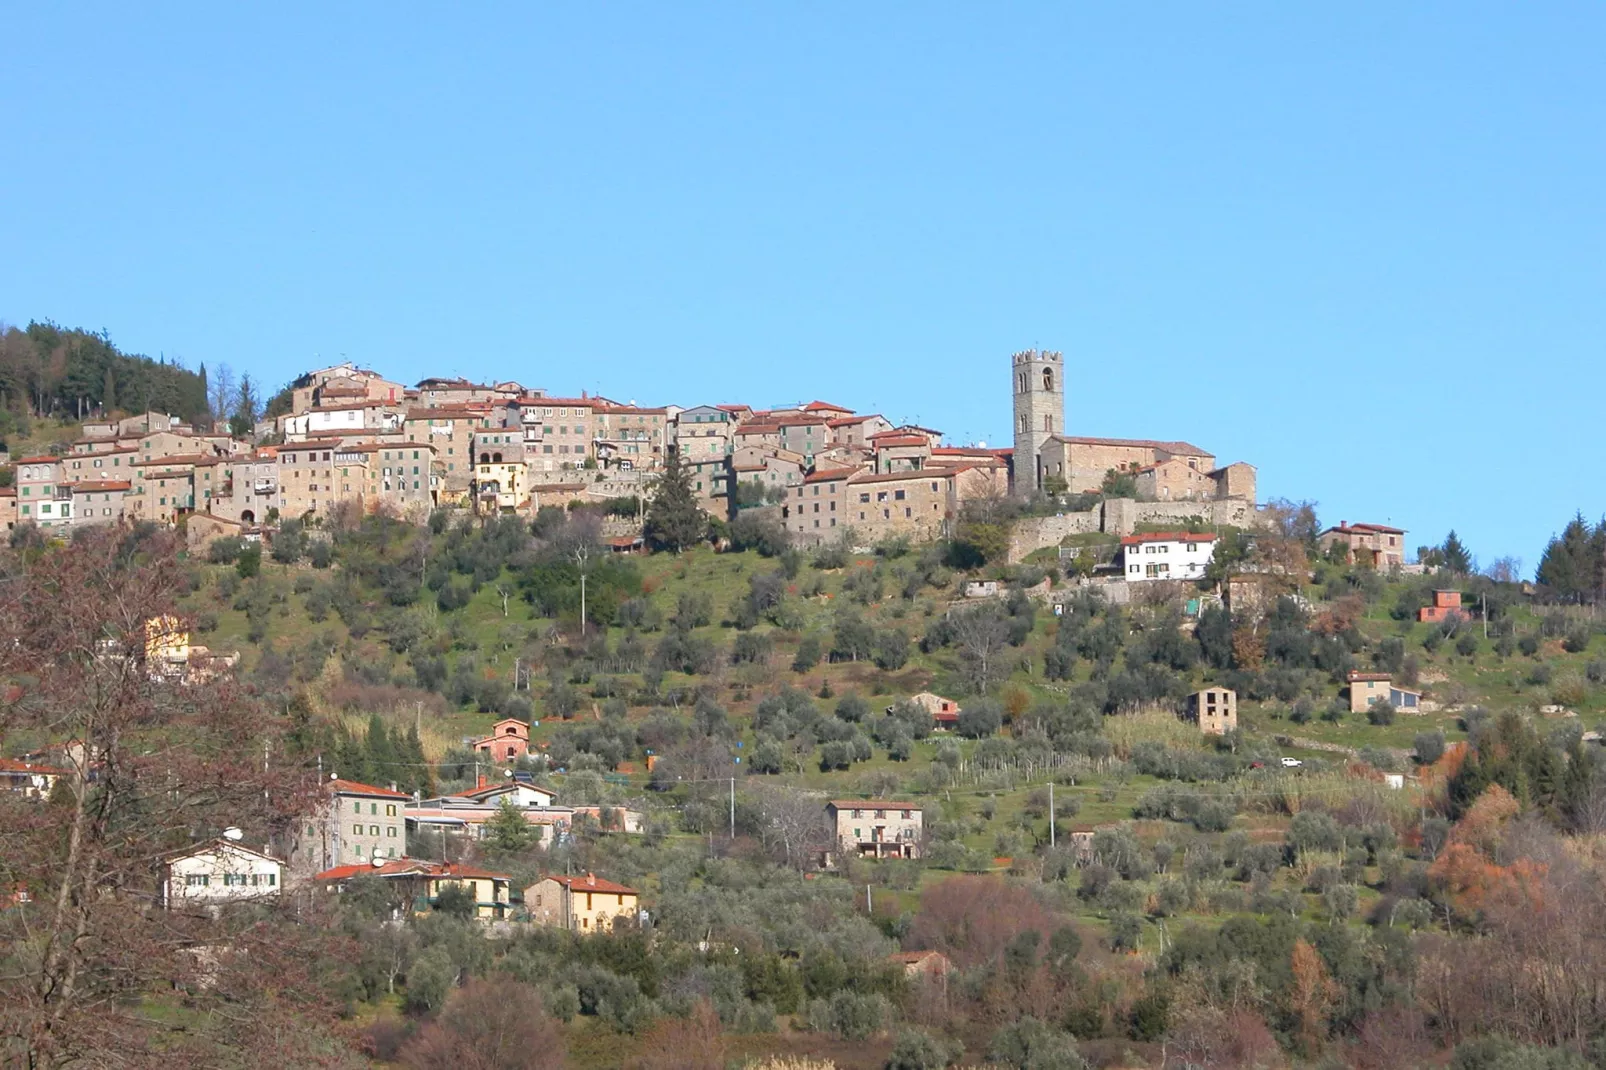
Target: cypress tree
674,519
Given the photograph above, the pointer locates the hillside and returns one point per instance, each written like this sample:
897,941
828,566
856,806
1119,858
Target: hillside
762,685
51,371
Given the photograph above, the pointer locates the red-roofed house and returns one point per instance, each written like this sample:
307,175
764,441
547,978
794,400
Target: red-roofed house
358,823
856,431
508,742
585,904
1166,555
29,779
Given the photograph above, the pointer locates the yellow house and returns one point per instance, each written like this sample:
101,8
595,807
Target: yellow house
167,646
584,904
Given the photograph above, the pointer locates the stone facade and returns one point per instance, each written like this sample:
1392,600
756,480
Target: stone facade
1121,516
1215,710
1084,462
877,828
1039,412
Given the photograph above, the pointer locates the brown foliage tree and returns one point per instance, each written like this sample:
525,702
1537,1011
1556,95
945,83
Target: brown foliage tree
489,1025
971,919
154,766
695,1043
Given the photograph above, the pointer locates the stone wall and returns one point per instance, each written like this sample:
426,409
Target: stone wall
1121,516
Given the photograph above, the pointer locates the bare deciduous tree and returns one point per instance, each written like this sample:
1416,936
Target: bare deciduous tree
981,634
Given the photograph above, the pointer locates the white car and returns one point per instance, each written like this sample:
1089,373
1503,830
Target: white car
1292,763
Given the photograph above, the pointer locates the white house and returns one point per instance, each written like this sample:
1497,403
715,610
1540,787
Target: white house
219,872
1166,555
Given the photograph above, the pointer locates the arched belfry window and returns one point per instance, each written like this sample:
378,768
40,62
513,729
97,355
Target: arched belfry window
1048,379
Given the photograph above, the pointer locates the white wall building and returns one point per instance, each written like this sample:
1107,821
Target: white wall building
219,872
1166,555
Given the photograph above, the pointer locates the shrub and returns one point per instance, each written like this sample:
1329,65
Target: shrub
1030,1044
1429,747
917,1049
1380,713
980,719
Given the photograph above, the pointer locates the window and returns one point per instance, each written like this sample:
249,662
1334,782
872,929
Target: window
897,495
391,832
373,830
390,809
196,880
356,830
373,808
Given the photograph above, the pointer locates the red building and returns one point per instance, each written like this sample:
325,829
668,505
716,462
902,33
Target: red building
1446,604
508,741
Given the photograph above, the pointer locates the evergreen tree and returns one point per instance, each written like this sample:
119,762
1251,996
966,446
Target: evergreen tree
674,519
1570,563
108,393
1454,554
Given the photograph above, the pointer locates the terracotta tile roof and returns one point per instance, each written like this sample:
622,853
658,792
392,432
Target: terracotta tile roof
894,441
12,765
825,406
1365,529
37,460
758,429
1168,536
904,477
1185,448
848,421
355,787
1355,677
591,883
191,459
874,804
802,421
403,867
93,485
830,475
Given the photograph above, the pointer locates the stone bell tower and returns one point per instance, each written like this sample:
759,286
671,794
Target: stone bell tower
1039,412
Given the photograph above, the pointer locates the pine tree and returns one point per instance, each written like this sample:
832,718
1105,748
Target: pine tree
674,519
1456,558
1568,565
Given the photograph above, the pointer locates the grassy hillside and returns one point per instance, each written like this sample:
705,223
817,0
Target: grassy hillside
777,671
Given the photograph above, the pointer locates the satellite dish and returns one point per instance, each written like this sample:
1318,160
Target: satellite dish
377,862
234,834
507,772
334,776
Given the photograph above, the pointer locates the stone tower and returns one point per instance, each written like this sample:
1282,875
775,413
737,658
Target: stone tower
1039,412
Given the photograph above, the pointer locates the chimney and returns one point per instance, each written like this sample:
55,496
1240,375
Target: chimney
392,785
591,878
479,780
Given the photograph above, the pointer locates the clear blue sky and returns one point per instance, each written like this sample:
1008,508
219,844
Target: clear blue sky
1360,246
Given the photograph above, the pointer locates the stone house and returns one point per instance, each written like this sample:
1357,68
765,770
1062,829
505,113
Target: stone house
932,966
1166,555
1236,480
877,828
702,434
710,480
1083,462
585,904
31,780
1174,480
805,434
757,432
566,430
451,433
1373,545
631,438
896,452
216,873
944,711
164,488
1215,709
855,432
116,463
445,393
98,502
